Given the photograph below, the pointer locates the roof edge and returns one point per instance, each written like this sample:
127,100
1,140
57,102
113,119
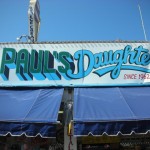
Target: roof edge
73,42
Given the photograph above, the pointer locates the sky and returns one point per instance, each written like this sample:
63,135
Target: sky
77,20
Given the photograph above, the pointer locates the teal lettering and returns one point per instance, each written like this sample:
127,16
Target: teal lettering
49,71
8,62
22,65
82,71
67,60
36,64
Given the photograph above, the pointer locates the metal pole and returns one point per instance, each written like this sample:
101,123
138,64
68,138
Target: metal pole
142,23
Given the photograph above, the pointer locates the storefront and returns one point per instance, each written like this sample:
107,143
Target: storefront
101,87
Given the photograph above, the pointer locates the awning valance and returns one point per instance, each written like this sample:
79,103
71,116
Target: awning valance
111,111
31,112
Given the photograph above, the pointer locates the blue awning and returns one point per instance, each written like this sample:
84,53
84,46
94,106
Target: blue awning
31,112
111,111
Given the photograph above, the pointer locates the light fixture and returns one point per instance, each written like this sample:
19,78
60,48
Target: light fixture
27,37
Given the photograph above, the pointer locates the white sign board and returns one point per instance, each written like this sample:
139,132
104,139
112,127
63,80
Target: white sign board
75,64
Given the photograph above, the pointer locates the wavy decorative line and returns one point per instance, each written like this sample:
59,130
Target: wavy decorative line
104,71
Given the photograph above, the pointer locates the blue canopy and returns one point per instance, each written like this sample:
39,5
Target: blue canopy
111,111
31,112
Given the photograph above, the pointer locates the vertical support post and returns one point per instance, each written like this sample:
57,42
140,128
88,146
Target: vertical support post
70,142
